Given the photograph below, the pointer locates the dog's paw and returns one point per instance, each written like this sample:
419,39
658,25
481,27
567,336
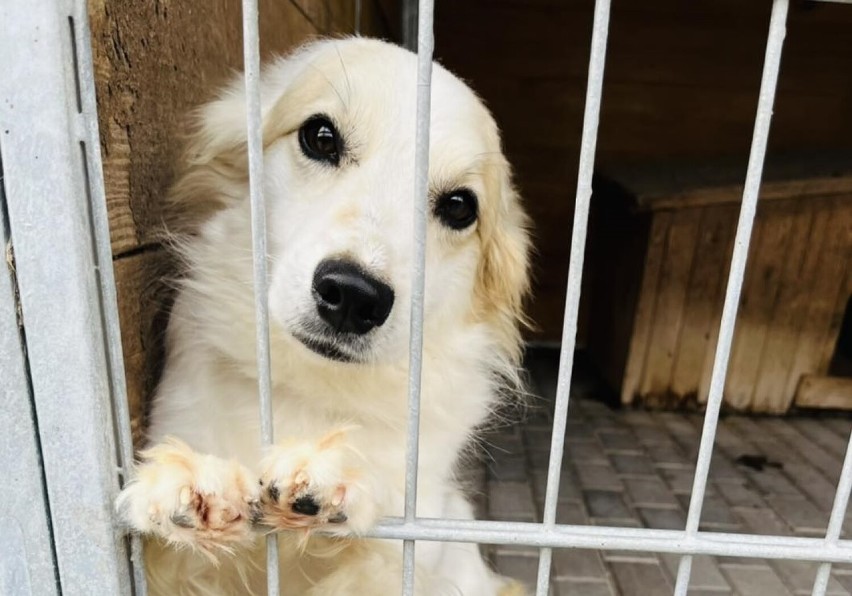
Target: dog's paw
191,499
317,485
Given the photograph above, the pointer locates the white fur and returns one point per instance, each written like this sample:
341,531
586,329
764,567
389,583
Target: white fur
342,425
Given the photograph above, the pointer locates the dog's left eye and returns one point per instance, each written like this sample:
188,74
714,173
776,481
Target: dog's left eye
320,141
457,209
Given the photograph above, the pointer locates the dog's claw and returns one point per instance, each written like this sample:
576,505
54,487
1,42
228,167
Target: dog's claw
274,493
255,512
182,520
338,518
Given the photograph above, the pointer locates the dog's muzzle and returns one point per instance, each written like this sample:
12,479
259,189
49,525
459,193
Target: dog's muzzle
349,304
350,300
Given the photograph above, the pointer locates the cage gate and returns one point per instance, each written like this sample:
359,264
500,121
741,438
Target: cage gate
61,359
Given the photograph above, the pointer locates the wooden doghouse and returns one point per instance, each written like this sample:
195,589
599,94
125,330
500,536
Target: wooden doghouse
662,244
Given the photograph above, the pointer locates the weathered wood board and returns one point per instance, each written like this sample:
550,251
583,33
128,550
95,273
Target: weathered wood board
825,392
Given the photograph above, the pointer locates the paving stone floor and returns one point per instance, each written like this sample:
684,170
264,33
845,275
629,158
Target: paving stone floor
633,468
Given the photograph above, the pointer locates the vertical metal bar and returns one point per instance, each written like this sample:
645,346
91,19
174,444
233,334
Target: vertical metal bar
768,84
409,24
425,48
357,17
684,571
103,255
835,522
591,117
53,226
27,560
254,139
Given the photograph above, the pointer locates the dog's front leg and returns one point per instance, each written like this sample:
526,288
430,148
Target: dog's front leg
323,484
191,499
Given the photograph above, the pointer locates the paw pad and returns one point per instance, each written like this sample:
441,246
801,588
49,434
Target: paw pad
306,505
300,503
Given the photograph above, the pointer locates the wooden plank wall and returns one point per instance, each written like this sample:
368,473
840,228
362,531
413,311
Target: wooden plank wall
155,60
681,81
794,296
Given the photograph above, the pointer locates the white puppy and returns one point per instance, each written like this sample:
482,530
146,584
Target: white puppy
338,131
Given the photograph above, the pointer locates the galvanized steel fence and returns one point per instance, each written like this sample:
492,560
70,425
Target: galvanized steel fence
65,426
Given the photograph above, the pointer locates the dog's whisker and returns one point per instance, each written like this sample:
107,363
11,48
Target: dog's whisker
345,74
330,84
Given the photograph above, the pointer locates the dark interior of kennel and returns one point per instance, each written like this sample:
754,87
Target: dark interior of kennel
680,89
679,98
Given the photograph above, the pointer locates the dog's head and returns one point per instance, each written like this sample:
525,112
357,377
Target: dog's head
339,138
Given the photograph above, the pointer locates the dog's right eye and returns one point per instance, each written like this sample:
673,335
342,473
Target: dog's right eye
320,141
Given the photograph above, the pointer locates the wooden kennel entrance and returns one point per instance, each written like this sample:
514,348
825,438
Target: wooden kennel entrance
665,237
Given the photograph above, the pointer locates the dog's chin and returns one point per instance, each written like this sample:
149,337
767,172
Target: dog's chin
327,349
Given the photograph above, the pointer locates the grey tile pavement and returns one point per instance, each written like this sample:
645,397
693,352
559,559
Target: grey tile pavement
633,468
755,580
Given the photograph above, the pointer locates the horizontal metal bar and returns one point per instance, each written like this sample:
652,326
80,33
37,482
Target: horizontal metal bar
612,538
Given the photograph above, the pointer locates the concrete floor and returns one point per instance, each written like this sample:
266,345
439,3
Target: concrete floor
634,468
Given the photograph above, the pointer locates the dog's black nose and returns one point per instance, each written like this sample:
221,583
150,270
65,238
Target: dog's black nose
349,299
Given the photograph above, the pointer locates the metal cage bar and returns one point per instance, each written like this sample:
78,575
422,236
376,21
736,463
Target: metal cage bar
591,117
26,552
56,215
835,522
615,538
84,388
425,47
106,273
760,138
408,18
254,142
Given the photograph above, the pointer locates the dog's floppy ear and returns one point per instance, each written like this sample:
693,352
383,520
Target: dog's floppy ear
213,166
503,278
